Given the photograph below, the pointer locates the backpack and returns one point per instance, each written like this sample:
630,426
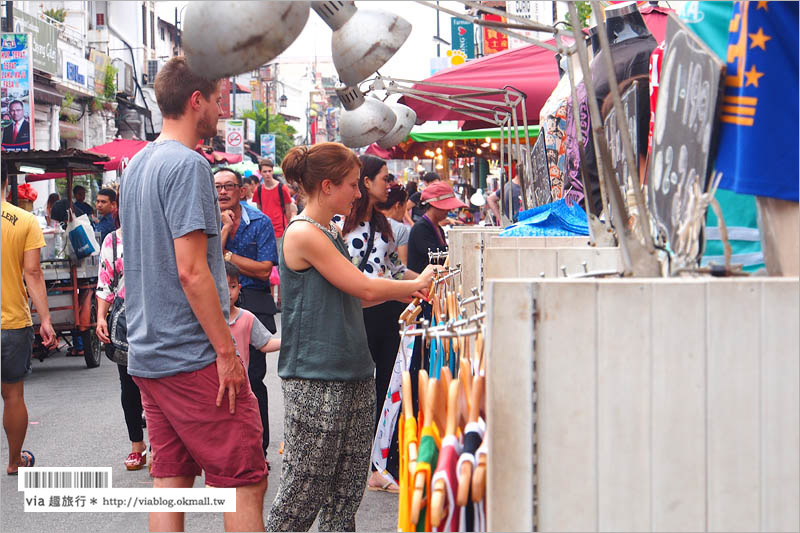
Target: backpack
280,198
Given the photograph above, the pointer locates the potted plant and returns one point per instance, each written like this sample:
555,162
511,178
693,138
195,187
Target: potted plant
110,88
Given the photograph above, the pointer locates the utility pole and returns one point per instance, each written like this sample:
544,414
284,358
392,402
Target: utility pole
10,18
233,91
438,45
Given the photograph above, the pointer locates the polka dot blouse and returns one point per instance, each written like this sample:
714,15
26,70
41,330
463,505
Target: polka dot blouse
383,260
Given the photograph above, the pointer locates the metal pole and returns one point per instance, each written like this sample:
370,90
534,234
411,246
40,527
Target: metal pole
630,157
10,18
519,155
438,45
233,90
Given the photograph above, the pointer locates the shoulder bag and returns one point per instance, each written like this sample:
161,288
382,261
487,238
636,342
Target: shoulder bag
117,351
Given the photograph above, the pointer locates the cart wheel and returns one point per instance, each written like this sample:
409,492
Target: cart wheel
92,348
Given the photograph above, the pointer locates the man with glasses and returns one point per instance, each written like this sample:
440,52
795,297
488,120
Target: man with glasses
248,241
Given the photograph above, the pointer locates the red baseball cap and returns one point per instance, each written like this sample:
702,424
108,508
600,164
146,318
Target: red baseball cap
441,196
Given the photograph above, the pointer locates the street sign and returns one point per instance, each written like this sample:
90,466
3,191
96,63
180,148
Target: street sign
234,137
268,145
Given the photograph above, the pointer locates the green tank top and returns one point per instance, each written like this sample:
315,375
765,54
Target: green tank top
322,328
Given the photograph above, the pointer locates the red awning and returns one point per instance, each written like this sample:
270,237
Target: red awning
529,69
119,152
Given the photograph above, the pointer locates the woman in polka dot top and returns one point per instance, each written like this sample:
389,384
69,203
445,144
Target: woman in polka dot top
380,259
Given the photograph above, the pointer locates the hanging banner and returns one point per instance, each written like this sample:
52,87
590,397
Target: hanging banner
251,130
268,145
234,137
462,38
16,91
494,41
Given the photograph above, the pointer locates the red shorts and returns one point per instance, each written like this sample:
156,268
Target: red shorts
189,433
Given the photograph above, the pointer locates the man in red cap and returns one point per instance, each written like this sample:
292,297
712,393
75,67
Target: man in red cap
438,198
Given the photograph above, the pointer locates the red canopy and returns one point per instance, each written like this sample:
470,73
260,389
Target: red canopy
118,151
529,69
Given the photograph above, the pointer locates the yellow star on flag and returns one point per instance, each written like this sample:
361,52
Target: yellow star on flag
762,4
752,76
759,39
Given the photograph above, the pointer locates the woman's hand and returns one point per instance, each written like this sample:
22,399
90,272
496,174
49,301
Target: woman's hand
102,330
424,281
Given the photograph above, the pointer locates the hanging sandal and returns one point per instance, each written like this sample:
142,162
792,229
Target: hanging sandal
136,460
28,460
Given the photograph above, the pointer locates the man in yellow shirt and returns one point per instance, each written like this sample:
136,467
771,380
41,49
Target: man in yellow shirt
21,240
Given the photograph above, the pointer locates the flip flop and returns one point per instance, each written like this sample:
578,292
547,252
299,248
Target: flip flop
388,486
29,459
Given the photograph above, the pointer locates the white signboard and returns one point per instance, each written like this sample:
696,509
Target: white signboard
75,69
251,130
234,136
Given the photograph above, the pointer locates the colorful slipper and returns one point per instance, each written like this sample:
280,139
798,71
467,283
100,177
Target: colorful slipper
136,460
28,461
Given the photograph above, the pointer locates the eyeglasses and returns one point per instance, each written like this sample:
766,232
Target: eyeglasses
230,187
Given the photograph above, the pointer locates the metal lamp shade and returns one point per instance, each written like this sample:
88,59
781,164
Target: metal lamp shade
406,117
259,32
363,40
365,120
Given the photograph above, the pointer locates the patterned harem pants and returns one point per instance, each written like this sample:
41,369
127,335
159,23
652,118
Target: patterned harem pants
328,431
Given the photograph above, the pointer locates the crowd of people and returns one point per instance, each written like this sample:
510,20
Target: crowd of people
193,281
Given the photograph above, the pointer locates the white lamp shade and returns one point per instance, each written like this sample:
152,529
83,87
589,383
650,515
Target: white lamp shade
257,32
365,120
477,199
406,117
363,40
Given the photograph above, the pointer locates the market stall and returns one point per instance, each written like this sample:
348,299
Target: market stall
65,277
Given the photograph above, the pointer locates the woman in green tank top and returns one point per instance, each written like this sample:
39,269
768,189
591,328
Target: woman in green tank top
325,364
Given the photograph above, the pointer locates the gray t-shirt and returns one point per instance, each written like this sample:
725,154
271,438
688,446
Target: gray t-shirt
401,232
513,198
167,192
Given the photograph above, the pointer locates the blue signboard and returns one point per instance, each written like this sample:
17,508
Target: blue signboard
462,37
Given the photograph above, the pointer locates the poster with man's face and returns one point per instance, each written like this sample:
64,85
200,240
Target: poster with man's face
16,82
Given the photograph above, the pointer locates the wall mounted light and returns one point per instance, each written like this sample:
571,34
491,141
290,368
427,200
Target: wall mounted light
415,159
262,30
365,120
479,151
450,144
363,40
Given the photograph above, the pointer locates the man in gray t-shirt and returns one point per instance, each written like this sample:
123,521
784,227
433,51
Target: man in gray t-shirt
202,416
169,193
512,200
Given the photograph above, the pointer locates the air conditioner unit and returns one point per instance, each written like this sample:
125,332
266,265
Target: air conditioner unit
125,79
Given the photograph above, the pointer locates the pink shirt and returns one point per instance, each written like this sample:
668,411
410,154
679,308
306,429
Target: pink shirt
247,330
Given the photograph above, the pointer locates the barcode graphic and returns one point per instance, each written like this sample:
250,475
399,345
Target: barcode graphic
65,478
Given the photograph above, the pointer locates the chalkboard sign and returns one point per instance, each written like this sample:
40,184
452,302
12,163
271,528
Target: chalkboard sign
685,134
539,187
619,164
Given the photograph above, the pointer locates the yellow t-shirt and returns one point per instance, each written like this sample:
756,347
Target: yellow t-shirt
20,233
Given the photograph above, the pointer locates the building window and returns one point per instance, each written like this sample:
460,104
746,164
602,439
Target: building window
152,30
161,33
144,25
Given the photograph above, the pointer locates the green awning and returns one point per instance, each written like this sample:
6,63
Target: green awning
494,133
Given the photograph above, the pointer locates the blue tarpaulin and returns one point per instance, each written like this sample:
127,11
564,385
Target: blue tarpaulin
556,219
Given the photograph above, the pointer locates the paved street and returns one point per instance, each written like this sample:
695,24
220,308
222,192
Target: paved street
76,420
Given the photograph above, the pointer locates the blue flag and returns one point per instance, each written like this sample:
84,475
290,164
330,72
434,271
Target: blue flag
758,142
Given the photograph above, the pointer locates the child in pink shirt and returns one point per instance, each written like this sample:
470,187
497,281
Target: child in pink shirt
245,327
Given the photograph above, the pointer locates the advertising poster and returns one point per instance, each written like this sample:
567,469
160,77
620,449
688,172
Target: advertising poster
462,38
268,145
16,91
493,40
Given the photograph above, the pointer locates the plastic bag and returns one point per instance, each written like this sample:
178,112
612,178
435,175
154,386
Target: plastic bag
81,236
